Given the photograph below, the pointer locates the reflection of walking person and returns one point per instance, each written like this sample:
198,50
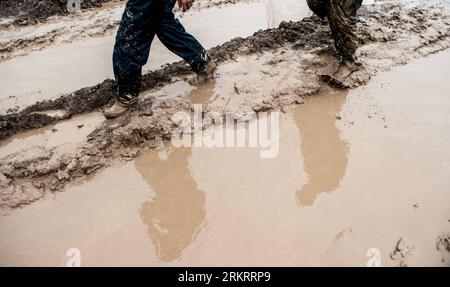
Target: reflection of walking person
176,212
341,15
142,20
324,152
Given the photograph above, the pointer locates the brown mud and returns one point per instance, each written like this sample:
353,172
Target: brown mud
443,243
391,35
88,39
26,11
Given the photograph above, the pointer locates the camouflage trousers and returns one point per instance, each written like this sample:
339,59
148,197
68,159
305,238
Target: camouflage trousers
342,17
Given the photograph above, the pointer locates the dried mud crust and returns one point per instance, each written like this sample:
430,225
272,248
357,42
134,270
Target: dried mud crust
391,35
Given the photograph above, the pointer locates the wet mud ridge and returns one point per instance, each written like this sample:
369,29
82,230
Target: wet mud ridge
391,35
26,11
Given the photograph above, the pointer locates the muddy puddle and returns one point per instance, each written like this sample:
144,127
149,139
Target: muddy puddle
356,171
73,63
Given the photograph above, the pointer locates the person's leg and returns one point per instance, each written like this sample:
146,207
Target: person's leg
134,37
173,35
342,18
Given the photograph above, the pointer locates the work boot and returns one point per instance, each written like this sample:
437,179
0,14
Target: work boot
345,68
203,77
117,109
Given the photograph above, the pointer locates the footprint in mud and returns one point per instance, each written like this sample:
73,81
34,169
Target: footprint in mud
324,152
176,213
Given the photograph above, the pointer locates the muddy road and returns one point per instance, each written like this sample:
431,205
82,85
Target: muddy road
365,187
357,169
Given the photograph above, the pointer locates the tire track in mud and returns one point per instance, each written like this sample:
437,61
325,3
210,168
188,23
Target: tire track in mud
391,35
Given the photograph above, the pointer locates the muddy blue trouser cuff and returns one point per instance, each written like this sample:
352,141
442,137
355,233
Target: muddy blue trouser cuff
141,21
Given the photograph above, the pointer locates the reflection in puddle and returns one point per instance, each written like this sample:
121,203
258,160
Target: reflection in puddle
324,152
175,214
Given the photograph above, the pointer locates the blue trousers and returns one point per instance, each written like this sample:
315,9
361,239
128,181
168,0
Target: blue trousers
141,21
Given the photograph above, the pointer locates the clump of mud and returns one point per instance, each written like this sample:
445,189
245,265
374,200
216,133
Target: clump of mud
390,35
26,11
443,242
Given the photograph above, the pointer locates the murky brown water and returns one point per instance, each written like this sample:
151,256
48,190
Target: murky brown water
355,170
325,153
